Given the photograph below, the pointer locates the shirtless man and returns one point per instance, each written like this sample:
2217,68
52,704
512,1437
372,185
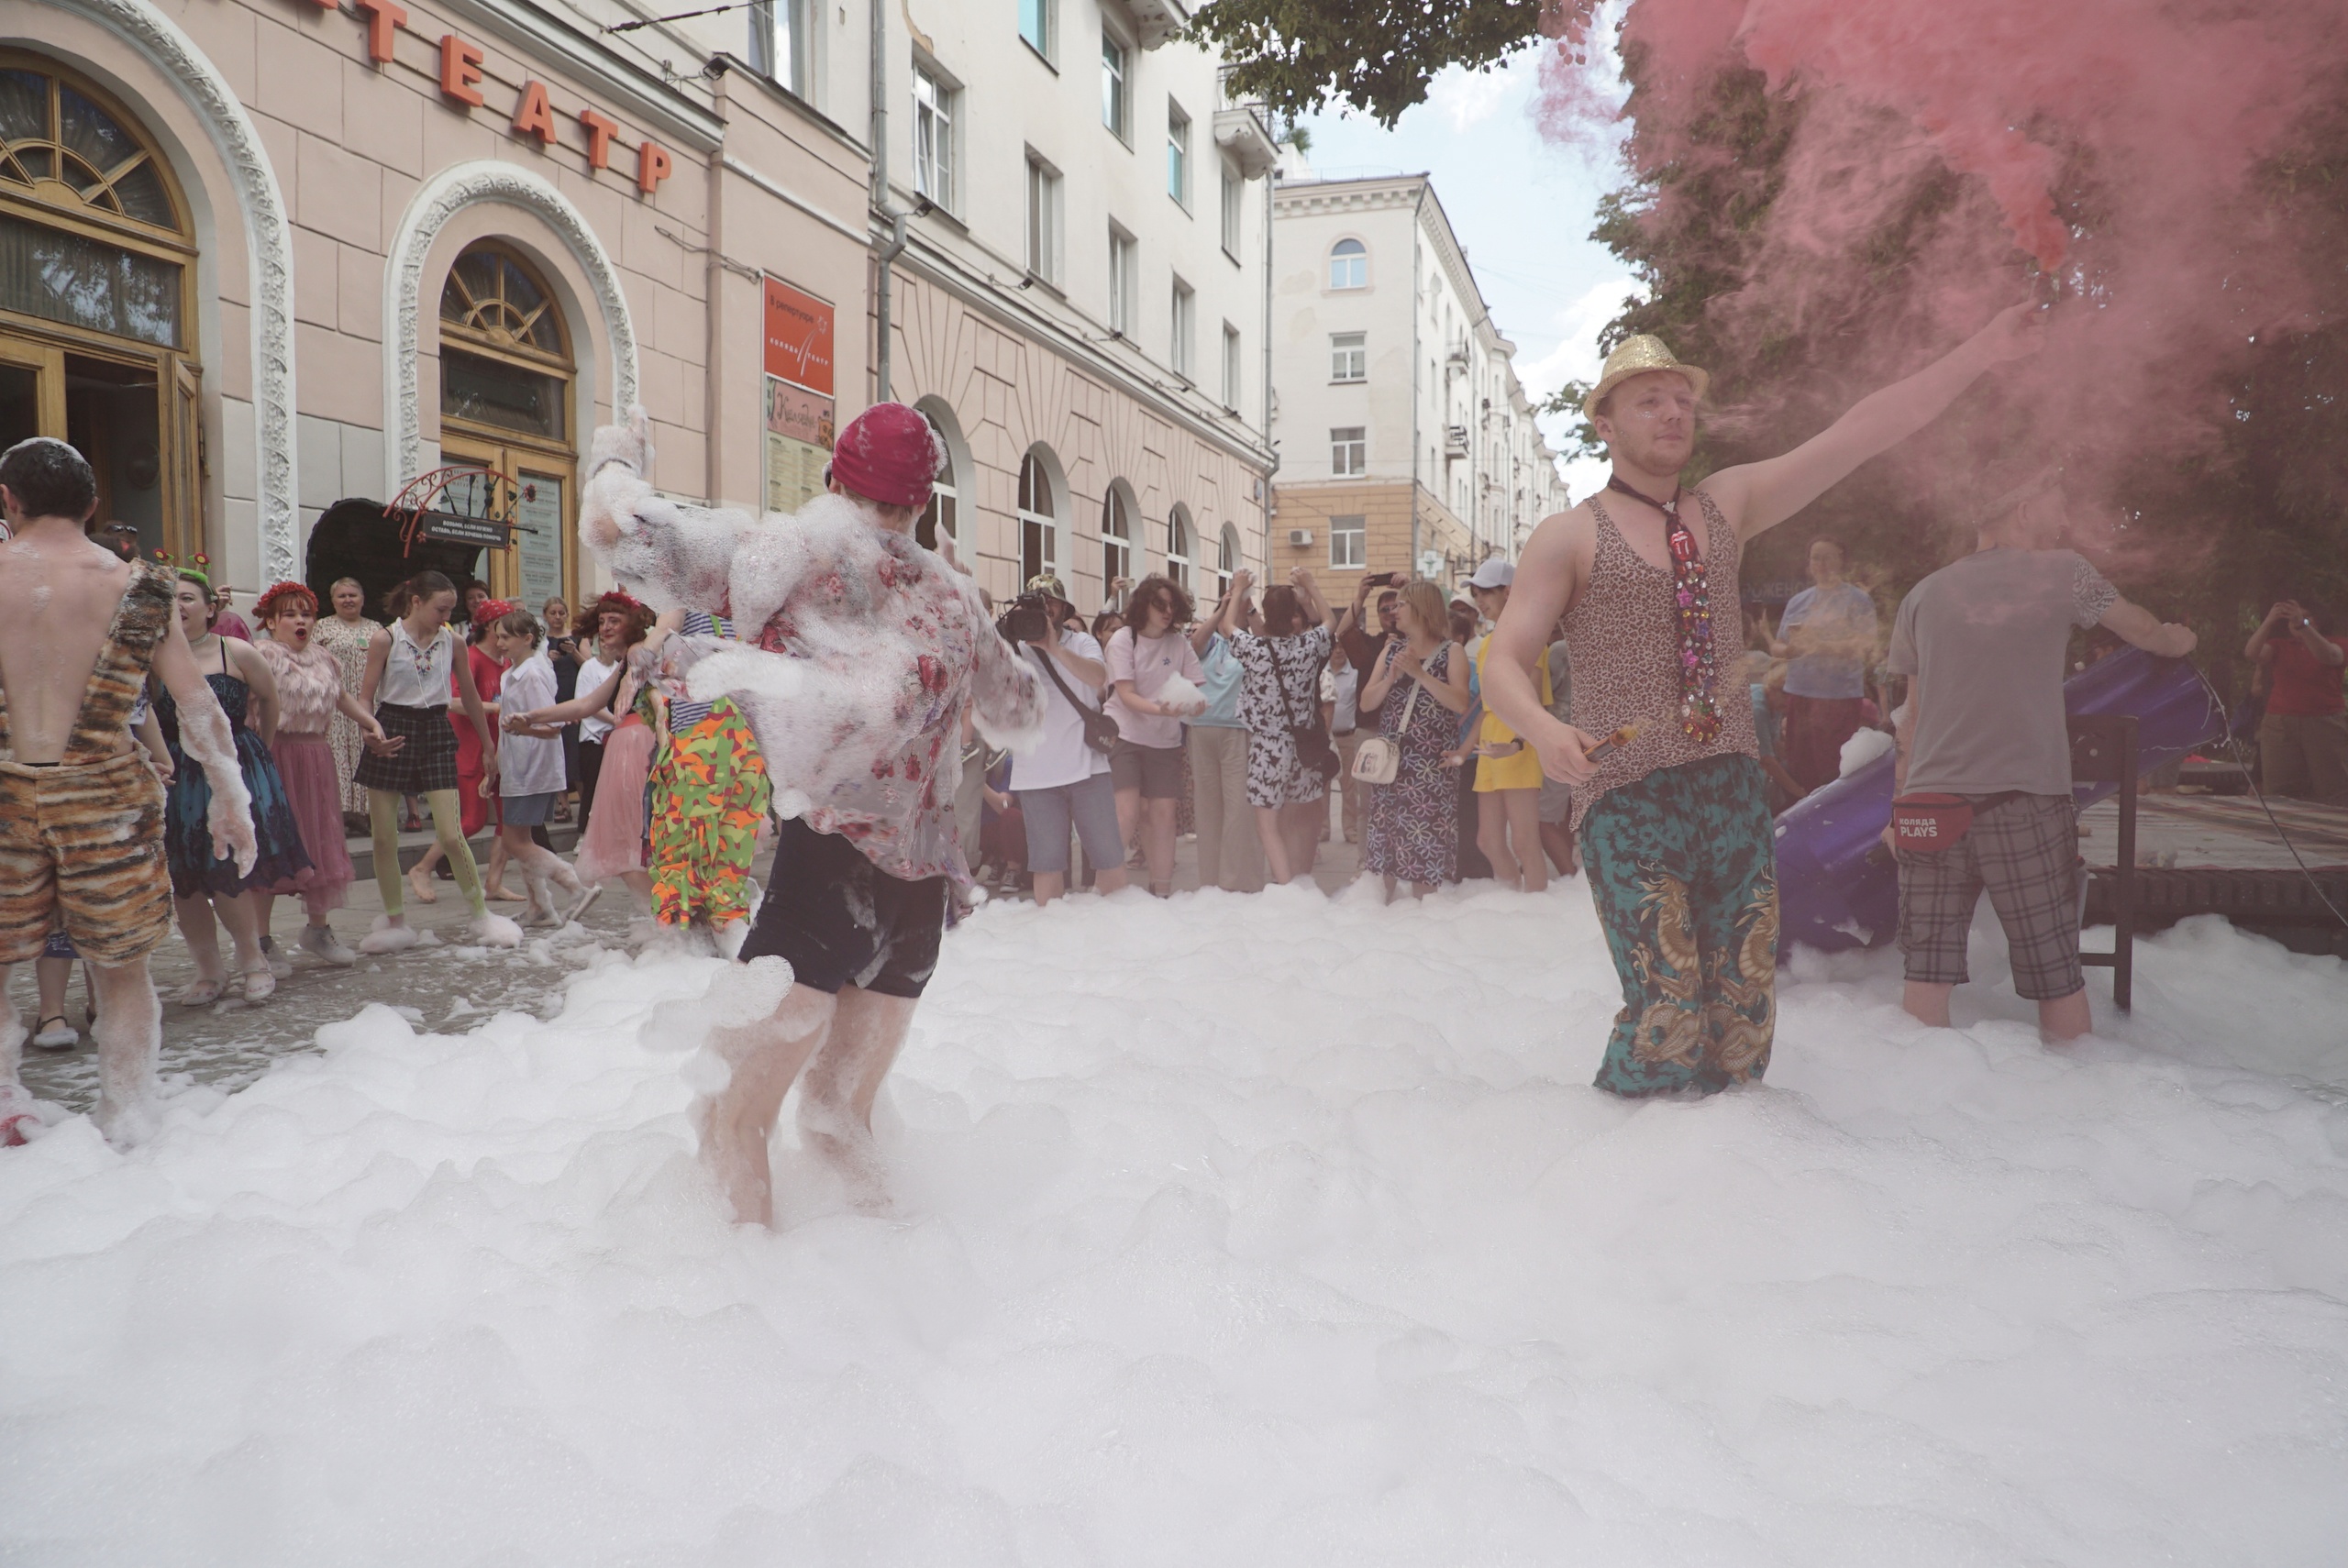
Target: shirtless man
1674,821
80,809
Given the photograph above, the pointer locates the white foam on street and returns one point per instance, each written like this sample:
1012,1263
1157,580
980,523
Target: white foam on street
1236,1230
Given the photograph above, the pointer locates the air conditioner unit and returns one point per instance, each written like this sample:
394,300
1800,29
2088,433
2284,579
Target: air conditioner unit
1300,537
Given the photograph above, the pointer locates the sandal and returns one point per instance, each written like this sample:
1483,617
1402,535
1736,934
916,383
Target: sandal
259,984
64,1037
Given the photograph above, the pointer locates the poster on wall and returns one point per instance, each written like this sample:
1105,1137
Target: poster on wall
798,407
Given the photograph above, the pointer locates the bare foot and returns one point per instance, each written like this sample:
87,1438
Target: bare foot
502,896
419,886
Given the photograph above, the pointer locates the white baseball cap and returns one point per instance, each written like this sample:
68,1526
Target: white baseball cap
1493,573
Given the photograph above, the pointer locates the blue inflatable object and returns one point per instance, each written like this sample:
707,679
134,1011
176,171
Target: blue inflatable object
1834,893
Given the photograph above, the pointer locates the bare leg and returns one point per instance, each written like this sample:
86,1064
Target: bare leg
129,1032
203,939
835,1105
51,977
497,855
1423,889
1558,839
1523,808
2065,1019
1492,837
241,916
1300,828
419,876
1267,834
736,1122
1049,885
1389,880
1927,1003
1129,814
15,1105
1157,842
1109,879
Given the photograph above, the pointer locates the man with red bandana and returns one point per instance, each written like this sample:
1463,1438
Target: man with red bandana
862,650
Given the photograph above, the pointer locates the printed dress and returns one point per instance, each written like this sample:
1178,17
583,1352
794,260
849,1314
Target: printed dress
281,864
308,683
1413,831
709,792
348,644
1282,685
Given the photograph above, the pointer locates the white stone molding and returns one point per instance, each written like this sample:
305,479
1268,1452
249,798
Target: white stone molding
269,243
440,199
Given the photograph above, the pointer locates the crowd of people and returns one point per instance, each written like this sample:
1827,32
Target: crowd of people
1579,712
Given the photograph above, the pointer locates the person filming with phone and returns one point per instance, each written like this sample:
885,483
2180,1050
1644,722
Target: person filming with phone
1065,781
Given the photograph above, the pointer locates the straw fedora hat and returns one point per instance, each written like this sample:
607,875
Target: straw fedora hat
1636,356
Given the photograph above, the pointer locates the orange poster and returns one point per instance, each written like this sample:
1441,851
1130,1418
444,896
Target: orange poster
799,337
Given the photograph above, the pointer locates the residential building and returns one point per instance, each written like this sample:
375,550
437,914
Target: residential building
1406,442
1079,301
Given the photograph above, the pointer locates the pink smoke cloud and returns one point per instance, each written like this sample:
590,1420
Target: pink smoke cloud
2114,146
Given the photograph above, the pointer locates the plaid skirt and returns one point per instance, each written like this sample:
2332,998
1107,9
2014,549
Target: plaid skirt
427,763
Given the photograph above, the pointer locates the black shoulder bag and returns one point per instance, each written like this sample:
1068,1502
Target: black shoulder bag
1314,752
1100,729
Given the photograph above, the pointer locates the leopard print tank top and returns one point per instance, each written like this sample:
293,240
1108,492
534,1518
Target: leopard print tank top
1623,636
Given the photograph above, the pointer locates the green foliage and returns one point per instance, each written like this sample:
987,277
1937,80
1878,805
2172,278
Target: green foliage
1376,55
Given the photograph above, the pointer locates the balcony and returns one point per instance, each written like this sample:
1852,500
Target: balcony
1159,21
1455,441
1242,131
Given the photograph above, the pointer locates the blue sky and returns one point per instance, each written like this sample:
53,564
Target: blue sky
1523,208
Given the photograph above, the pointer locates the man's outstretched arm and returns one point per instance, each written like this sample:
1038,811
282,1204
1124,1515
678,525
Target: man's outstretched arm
1758,496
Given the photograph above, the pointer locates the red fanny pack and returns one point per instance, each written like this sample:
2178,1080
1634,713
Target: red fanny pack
1929,822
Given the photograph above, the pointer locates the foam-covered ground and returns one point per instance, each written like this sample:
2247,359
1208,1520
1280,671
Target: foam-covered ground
1278,1231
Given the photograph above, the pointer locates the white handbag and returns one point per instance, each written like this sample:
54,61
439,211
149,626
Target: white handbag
1380,760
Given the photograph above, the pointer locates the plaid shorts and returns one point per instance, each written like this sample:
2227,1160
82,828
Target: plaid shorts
426,764
2025,850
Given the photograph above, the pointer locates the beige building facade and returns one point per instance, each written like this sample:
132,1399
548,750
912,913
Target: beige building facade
1406,441
265,256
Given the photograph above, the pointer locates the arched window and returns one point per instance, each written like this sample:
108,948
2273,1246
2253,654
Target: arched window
1349,265
1116,545
1226,558
1178,547
1038,520
505,406
938,516
943,515
97,254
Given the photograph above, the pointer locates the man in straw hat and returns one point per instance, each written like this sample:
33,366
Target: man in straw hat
1982,642
862,651
1674,815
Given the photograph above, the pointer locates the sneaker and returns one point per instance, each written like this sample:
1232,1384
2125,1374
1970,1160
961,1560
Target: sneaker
320,942
280,966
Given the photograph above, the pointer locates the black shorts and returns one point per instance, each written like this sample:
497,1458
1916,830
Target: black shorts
838,920
1155,771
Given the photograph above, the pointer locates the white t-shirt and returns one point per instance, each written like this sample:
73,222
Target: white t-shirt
1149,663
593,672
1062,756
1344,689
527,765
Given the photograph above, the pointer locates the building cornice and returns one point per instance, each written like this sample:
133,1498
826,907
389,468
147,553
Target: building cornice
1324,197
646,94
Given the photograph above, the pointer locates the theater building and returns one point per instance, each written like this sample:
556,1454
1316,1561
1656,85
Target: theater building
260,257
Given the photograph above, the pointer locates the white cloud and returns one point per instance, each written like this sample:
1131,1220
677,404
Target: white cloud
1465,97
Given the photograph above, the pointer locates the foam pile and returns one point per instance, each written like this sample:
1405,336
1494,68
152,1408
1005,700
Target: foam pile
1268,1231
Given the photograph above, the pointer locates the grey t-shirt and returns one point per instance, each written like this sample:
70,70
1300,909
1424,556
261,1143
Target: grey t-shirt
1984,639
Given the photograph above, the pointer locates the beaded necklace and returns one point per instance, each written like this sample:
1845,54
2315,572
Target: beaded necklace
1700,716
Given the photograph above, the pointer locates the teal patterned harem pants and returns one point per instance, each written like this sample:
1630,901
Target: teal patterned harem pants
1683,868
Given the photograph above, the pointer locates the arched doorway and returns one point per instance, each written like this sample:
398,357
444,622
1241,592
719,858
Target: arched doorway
506,384
97,308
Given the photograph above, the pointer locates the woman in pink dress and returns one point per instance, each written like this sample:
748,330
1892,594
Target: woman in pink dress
310,692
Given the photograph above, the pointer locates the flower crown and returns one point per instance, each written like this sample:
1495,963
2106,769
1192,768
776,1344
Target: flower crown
267,605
